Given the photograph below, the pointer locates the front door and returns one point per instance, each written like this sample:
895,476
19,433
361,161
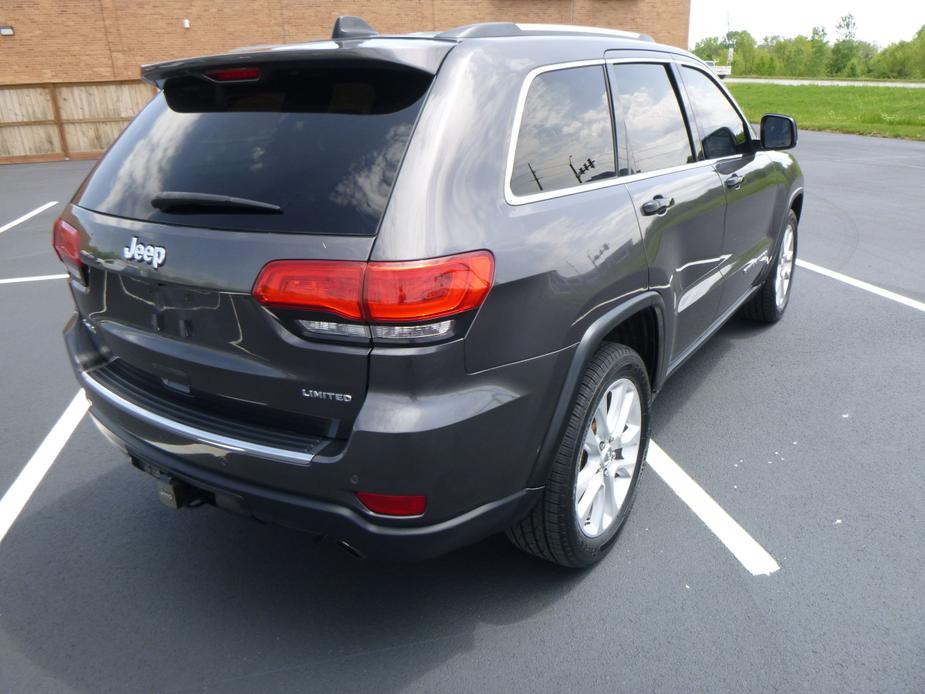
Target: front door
749,178
679,201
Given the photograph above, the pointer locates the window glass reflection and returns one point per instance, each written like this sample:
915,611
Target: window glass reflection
650,126
566,136
724,133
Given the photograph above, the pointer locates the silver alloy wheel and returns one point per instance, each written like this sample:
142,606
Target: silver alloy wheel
608,458
784,268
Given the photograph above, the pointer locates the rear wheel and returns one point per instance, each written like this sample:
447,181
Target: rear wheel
593,479
770,302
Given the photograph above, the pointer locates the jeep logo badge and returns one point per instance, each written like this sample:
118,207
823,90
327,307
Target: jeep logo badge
153,255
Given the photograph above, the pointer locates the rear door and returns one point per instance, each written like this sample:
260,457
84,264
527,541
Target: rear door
213,180
748,177
679,202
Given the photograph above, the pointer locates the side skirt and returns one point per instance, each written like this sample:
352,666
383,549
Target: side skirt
710,331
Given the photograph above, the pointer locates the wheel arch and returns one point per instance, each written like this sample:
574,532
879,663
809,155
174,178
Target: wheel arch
633,323
796,202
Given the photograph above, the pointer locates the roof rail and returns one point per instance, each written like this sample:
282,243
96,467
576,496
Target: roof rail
492,29
577,29
481,31
349,27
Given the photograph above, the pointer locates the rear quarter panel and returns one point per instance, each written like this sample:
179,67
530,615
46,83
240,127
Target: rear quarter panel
559,263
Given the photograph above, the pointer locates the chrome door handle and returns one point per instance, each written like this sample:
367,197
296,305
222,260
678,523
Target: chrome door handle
734,182
657,205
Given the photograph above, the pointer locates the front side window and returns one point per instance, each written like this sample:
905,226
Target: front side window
650,126
566,136
724,132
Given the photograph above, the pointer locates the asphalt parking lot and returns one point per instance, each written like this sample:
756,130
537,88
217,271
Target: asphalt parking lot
810,434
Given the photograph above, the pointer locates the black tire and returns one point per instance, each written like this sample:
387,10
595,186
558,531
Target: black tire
551,530
763,306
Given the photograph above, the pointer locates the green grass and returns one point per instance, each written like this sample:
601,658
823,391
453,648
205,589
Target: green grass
882,111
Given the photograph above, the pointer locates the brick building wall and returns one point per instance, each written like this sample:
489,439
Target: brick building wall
96,40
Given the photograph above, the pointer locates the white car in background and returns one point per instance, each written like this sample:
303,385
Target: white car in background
722,71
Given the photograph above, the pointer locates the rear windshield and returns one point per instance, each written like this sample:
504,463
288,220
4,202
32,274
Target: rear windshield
318,148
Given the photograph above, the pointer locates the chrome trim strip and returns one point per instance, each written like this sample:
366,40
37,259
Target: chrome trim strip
199,435
515,200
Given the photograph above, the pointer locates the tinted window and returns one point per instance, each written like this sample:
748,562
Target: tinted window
649,119
324,144
724,132
566,135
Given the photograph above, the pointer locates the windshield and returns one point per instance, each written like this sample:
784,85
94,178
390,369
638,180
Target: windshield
322,143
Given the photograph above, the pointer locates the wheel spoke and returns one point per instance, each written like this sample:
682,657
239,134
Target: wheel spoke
592,444
626,405
630,435
600,417
621,487
587,498
617,395
597,511
585,476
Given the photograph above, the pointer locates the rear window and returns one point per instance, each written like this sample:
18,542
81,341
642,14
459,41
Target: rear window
319,146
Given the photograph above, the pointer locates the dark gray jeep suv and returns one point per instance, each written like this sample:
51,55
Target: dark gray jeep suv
409,291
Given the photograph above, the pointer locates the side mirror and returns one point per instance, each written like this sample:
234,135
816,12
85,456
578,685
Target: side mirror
778,132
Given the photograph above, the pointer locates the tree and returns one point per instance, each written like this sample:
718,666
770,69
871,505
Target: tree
846,29
712,48
743,61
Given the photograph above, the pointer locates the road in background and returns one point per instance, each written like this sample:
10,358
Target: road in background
823,83
809,433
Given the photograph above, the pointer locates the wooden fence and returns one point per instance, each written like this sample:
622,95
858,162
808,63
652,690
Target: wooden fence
46,122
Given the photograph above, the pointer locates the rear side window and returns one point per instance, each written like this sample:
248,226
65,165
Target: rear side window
566,135
321,144
724,131
650,125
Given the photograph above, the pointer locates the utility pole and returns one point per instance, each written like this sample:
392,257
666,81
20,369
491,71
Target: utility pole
535,177
577,175
583,169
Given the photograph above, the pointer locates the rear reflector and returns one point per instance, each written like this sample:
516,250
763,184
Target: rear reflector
66,241
391,505
380,292
235,74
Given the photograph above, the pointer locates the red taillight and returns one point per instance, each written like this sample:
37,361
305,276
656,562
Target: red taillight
66,241
380,292
332,286
392,505
235,74
427,289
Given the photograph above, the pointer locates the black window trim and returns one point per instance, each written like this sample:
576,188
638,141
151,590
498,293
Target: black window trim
672,62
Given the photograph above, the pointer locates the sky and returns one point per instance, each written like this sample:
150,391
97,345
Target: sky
879,21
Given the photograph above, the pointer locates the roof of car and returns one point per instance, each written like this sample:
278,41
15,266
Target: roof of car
352,37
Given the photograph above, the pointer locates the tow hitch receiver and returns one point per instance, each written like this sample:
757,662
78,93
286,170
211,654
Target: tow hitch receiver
176,494
172,492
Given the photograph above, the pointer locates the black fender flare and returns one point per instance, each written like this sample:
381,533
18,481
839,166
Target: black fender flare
775,249
587,346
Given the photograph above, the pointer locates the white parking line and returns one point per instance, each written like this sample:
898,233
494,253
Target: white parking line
743,546
13,502
860,284
36,278
28,215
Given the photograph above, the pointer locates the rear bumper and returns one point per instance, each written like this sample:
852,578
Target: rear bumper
467,446
326,518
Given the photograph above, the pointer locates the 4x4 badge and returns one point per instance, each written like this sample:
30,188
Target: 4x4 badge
155,255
